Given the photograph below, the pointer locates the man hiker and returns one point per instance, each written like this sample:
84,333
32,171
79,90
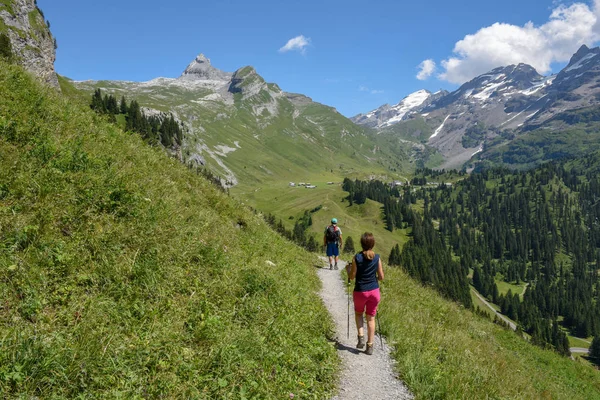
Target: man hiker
332,239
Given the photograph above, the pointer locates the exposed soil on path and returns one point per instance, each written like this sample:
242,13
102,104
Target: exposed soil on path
362,376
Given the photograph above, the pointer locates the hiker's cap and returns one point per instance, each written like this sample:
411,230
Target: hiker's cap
334,220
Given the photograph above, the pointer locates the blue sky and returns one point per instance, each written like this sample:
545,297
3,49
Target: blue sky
359,55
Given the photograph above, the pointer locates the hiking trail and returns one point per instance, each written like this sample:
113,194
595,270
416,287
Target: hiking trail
362,376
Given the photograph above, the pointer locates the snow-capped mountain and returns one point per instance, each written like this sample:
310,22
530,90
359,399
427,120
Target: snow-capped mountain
387,115
576,86
514,97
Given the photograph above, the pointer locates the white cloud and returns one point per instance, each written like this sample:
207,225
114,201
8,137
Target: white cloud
298,43
363,88
503,44
426,69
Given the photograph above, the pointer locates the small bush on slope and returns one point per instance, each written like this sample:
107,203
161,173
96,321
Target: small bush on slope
447,352
122,274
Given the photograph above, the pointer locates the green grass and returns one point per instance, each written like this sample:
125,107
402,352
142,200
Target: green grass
278,147
504,287
444,351
578,342
69,91
284,202
478,303
8,6
125,275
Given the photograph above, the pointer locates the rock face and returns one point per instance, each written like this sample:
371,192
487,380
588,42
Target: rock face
32,43
201,69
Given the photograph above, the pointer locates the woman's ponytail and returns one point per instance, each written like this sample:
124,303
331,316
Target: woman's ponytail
367,242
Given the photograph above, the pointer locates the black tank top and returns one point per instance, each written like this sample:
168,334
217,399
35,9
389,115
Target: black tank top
366,273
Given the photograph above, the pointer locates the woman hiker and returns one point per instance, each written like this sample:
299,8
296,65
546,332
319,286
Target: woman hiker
367,269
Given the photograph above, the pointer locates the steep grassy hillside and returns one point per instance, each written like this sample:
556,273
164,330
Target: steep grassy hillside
125,275
447,352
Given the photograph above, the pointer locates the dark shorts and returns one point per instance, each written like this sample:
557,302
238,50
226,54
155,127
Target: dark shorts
332,249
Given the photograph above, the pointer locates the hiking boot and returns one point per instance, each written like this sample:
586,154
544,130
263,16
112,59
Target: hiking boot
369,350
330,266
361,342
336,267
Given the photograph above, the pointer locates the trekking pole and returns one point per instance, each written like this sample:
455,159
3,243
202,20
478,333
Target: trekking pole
379,329
378,323
348,293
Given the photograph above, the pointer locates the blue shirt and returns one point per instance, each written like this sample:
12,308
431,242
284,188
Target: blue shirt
366,273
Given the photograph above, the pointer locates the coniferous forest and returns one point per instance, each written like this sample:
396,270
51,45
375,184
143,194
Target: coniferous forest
539,228
160,128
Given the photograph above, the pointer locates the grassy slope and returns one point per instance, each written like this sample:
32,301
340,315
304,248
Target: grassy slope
285,202
443,350
269,148
123,274
446,352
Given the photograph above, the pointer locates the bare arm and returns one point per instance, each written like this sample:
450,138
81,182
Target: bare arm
352,270
380,271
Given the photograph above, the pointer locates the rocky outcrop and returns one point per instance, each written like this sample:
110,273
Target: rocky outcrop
252,86
32,43
201,69
247,81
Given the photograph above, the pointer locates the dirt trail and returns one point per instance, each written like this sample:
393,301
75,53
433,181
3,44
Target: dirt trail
362,377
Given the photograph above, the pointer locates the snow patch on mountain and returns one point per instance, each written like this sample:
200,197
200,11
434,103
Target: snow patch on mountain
406,105
439,129
539,86
479,150
580,63
488,90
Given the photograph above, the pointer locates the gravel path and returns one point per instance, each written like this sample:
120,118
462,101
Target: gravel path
362,377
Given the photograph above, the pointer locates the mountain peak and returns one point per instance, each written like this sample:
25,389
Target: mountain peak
201,69
247,81
581,53
202,58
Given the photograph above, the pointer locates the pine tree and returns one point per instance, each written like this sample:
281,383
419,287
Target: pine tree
123,105
98,102
595,348
5,48
349,245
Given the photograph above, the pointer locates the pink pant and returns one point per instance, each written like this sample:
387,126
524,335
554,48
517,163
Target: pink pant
369,299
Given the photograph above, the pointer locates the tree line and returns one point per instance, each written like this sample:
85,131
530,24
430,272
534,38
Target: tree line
538,228
426,257
298,234
160,128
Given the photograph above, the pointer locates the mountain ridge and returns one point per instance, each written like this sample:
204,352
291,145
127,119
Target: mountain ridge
509,98
267,133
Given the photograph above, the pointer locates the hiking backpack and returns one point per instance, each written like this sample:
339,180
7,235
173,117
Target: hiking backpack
332,234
